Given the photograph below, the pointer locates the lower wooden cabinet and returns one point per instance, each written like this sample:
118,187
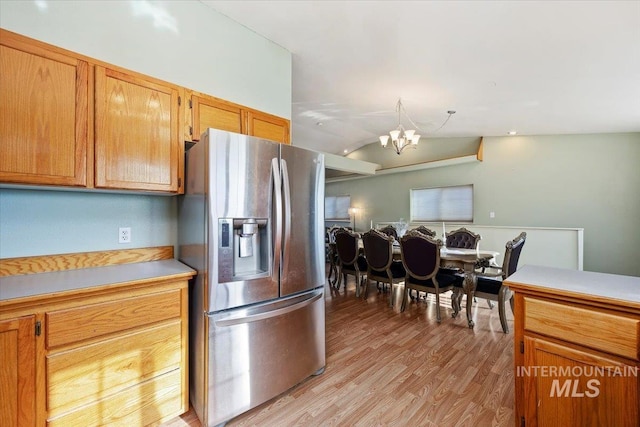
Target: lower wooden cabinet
18,371
107,358
567,386
577,363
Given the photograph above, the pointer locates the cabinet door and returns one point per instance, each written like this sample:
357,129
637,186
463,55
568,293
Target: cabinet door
267,126
210,112
137,141
565,386
43,114
17,372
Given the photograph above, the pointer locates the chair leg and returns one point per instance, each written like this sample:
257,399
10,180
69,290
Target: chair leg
366,288
333,272
511,303
490,304
502,309
438,318
358,284
404,297
336,284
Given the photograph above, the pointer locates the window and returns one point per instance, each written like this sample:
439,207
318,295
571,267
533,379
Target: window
442,204
337,208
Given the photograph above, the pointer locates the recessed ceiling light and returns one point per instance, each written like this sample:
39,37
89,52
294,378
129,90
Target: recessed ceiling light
346,151
512,132
319,123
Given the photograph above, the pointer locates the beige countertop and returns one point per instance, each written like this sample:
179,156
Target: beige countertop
29,285
587,283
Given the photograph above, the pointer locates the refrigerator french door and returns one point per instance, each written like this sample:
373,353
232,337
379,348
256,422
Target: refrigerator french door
251,224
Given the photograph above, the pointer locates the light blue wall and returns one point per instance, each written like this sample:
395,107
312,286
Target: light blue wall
184,42
42,222
581,181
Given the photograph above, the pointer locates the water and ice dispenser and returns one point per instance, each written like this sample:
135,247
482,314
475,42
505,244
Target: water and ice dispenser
243,249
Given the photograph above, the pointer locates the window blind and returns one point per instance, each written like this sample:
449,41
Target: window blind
337,207
442,204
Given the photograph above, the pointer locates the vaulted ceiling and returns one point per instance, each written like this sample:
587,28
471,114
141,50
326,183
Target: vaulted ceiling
535,67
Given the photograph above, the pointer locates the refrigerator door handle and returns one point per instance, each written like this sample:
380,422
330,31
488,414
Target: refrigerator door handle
277,192
286,190
230,321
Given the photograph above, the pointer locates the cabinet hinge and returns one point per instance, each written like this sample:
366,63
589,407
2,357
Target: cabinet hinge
190,130
522,423
38,328
179,101
190,104
521,347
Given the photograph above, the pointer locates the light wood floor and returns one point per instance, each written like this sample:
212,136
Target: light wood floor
386,368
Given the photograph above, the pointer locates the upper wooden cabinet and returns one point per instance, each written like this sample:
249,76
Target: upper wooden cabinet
137,142
210,112
266,126
44,114
70,120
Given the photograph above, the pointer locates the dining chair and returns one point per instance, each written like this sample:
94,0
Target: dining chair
490,283
350,261
378,250
390,230
462,239
421,260
426,231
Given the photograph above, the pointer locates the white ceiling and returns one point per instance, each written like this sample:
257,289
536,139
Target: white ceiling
537,67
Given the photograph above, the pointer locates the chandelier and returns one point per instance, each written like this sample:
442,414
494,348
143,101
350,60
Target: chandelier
402,138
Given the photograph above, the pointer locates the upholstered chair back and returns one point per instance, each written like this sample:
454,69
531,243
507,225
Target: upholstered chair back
420,255
462,239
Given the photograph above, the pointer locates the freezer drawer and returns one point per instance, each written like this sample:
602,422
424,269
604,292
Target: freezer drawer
257,353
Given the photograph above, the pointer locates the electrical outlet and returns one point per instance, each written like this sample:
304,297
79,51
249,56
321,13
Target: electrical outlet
124,235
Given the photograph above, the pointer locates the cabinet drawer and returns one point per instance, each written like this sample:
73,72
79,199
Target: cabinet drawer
90,321
151,402
611,333
107,367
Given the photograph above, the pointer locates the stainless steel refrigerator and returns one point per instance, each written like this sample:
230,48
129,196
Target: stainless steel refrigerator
251,224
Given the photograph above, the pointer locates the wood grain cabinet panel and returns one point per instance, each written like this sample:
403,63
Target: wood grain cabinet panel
137,144
210,112
150,403
612,333
598,391
18,372
95,320
268,126
112,365
44,115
